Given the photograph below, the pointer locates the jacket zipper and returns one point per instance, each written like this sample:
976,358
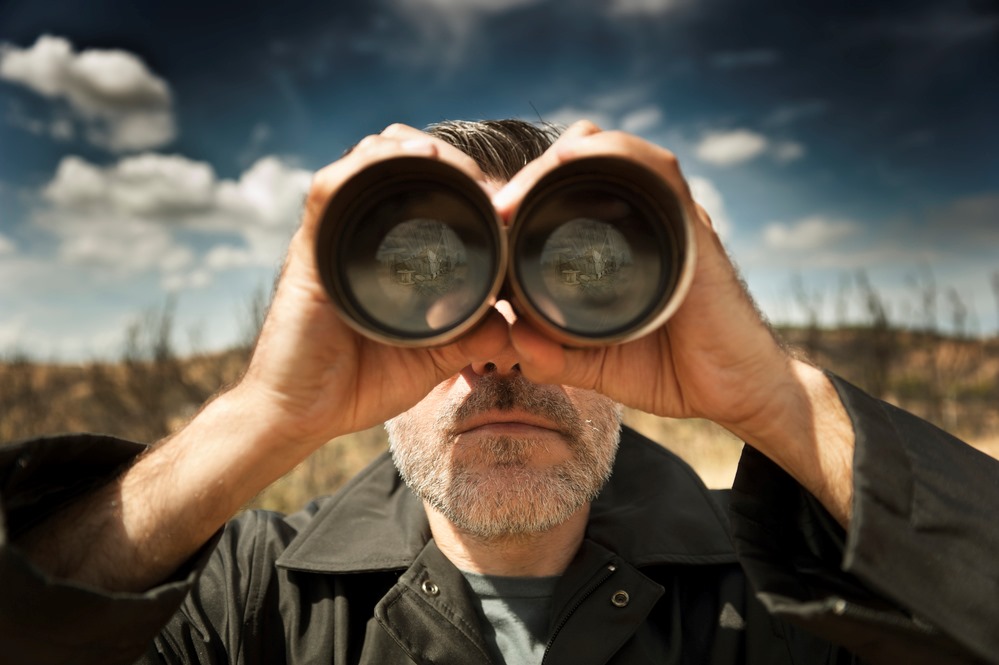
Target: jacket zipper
607,572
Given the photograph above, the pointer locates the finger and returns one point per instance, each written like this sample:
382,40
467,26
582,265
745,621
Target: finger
444,150
702,216
621,144
374,148
507,199
544,360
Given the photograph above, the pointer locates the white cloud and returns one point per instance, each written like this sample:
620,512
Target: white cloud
147,212
642,120
42,68
787,151
789,113
122,105
12,333
705,193
152,184
958,236
146,185
733,147
6,245
77,183
175,188
810,233
642,7
730,147
130,132
184,281
271,191
120,246
226,257
18,272
567,115
622,108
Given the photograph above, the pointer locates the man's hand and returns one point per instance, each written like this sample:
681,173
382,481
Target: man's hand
716,358
314,374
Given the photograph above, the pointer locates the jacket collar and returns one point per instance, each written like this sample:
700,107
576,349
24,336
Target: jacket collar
654,510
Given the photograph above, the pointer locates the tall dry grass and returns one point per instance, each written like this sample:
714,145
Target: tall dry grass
952,380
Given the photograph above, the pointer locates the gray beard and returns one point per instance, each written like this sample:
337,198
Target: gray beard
511,498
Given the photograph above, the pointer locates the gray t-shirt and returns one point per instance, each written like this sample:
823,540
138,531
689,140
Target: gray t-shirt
516,612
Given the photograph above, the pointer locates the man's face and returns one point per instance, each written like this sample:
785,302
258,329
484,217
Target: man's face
498,455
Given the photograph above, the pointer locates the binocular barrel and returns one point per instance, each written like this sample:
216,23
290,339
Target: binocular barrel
412,253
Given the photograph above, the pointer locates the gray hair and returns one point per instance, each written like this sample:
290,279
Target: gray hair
499,147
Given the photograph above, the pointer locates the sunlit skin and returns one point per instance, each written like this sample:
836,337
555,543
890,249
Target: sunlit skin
524,553
511,423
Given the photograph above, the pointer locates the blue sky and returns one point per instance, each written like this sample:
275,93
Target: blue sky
152,150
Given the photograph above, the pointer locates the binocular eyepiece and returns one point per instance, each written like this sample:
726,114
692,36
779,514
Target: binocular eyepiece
412,253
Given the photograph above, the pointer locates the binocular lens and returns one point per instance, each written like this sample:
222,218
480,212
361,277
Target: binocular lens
598,249
410,252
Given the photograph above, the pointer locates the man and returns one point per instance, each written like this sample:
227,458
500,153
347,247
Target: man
855,521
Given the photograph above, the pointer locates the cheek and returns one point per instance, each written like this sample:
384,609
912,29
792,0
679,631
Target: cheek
593,406
431,412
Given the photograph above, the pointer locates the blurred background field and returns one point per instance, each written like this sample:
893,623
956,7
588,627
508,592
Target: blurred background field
952,380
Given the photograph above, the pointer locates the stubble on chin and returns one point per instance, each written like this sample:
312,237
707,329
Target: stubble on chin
492,488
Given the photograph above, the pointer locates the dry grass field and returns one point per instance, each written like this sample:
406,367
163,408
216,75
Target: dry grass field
145,395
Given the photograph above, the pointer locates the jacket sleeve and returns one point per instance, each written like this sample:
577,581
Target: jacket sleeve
44,620
915,578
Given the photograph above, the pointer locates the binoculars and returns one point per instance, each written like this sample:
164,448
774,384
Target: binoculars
412,252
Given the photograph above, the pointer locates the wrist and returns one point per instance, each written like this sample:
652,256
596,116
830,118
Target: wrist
270,423
808,433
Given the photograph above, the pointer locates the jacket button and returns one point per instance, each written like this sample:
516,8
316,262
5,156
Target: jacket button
430,588
620,599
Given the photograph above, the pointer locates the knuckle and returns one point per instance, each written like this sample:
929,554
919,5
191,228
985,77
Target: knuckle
319,193
668,163
586,126
395,129
367,144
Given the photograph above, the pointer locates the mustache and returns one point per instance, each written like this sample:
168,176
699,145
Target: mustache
495,393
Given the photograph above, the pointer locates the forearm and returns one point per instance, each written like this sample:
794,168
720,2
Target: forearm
809,434
135,531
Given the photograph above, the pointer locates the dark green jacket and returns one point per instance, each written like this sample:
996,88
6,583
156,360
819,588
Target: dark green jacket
355,578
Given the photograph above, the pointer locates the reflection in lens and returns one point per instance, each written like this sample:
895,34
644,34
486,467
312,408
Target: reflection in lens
586,263
418,263
591,262
422,263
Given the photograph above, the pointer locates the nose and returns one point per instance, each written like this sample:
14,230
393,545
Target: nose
502,364
507,361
